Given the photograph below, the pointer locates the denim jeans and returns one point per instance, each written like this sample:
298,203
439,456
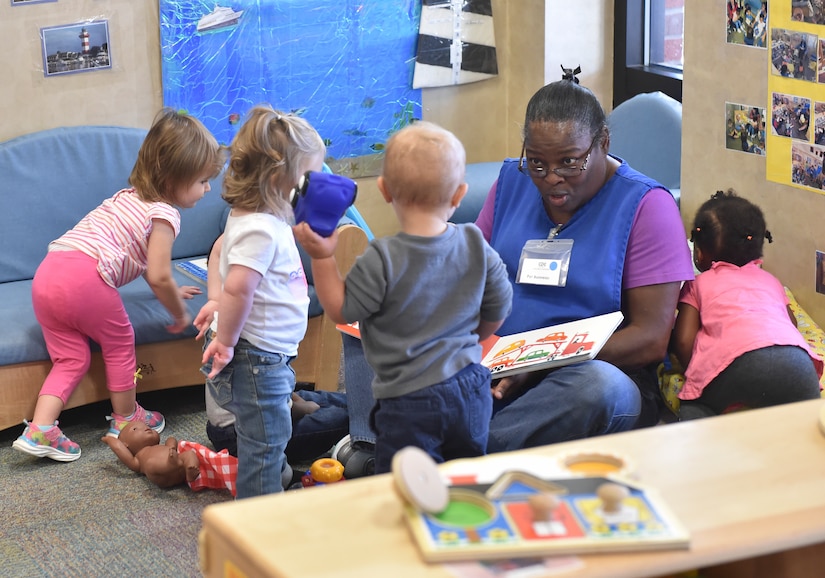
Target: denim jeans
256,386
448,420
358,383
573,402
315,433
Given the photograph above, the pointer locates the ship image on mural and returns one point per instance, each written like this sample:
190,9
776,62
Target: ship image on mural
456,43
220,17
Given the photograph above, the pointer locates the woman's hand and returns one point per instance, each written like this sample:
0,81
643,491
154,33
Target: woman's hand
509,386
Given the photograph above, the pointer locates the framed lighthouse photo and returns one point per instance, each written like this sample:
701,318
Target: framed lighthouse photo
75,48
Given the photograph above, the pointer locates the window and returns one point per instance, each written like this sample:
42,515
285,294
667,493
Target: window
648,48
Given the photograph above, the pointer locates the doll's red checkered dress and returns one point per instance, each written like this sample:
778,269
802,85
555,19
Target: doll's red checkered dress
219,470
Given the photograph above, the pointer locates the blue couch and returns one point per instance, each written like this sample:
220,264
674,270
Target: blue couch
48,181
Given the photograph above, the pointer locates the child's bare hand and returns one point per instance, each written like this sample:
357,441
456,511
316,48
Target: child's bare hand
204,318
315,245
220,355
181,324
189,291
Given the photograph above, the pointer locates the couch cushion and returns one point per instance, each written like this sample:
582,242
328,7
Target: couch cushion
22,340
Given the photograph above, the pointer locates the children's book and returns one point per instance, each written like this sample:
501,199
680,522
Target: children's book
543,348
549,347
194,268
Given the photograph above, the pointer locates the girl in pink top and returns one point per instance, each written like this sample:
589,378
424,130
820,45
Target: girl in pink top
734,332
75,294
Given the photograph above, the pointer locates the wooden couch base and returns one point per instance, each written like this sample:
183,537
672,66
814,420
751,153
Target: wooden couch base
177,363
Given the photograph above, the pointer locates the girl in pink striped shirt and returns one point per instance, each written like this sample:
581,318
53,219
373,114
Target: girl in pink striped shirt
75,294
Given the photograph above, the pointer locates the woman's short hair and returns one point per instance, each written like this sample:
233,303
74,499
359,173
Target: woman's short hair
566,101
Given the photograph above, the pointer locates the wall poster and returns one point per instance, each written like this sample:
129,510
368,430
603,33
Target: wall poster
344,65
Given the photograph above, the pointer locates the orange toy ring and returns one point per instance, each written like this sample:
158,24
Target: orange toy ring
326,470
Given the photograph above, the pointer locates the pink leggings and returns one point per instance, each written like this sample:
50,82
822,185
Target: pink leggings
73,304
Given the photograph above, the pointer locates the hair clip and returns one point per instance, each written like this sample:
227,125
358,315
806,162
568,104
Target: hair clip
570,73
768,236
693,233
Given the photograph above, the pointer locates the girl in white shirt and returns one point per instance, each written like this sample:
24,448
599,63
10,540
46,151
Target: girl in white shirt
261,313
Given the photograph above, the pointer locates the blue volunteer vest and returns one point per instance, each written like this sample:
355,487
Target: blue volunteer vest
600,231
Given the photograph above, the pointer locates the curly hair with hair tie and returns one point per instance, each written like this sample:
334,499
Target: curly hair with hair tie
730,228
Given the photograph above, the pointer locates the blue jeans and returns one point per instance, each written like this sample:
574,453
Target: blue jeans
358,384
573,402
317,432
256,387
448,420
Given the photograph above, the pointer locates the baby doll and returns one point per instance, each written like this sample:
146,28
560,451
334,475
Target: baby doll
173,462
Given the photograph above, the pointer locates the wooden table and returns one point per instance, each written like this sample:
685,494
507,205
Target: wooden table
750,488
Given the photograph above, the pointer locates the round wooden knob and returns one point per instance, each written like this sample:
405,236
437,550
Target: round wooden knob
611,496
543,506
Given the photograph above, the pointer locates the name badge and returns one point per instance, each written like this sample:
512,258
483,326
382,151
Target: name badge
545,262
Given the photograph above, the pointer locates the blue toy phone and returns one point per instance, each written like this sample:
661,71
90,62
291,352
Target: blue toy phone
321,199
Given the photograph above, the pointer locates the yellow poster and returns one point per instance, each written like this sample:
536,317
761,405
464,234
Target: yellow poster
796,93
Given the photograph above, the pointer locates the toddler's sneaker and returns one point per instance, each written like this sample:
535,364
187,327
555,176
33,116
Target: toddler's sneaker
47,444
154,419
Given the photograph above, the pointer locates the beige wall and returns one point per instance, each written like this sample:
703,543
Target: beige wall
580,33
129,94
715,73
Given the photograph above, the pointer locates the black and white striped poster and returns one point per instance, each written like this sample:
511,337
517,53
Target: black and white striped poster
456,43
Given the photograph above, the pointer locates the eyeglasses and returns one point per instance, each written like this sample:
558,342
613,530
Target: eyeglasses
539,170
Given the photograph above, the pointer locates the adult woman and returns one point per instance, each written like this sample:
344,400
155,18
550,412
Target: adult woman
628,252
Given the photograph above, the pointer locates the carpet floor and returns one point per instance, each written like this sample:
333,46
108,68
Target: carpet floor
95,517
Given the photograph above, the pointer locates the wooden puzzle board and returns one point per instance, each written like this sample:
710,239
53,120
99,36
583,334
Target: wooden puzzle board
493,521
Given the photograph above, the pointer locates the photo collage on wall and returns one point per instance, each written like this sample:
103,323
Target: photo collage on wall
796,90
796,93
